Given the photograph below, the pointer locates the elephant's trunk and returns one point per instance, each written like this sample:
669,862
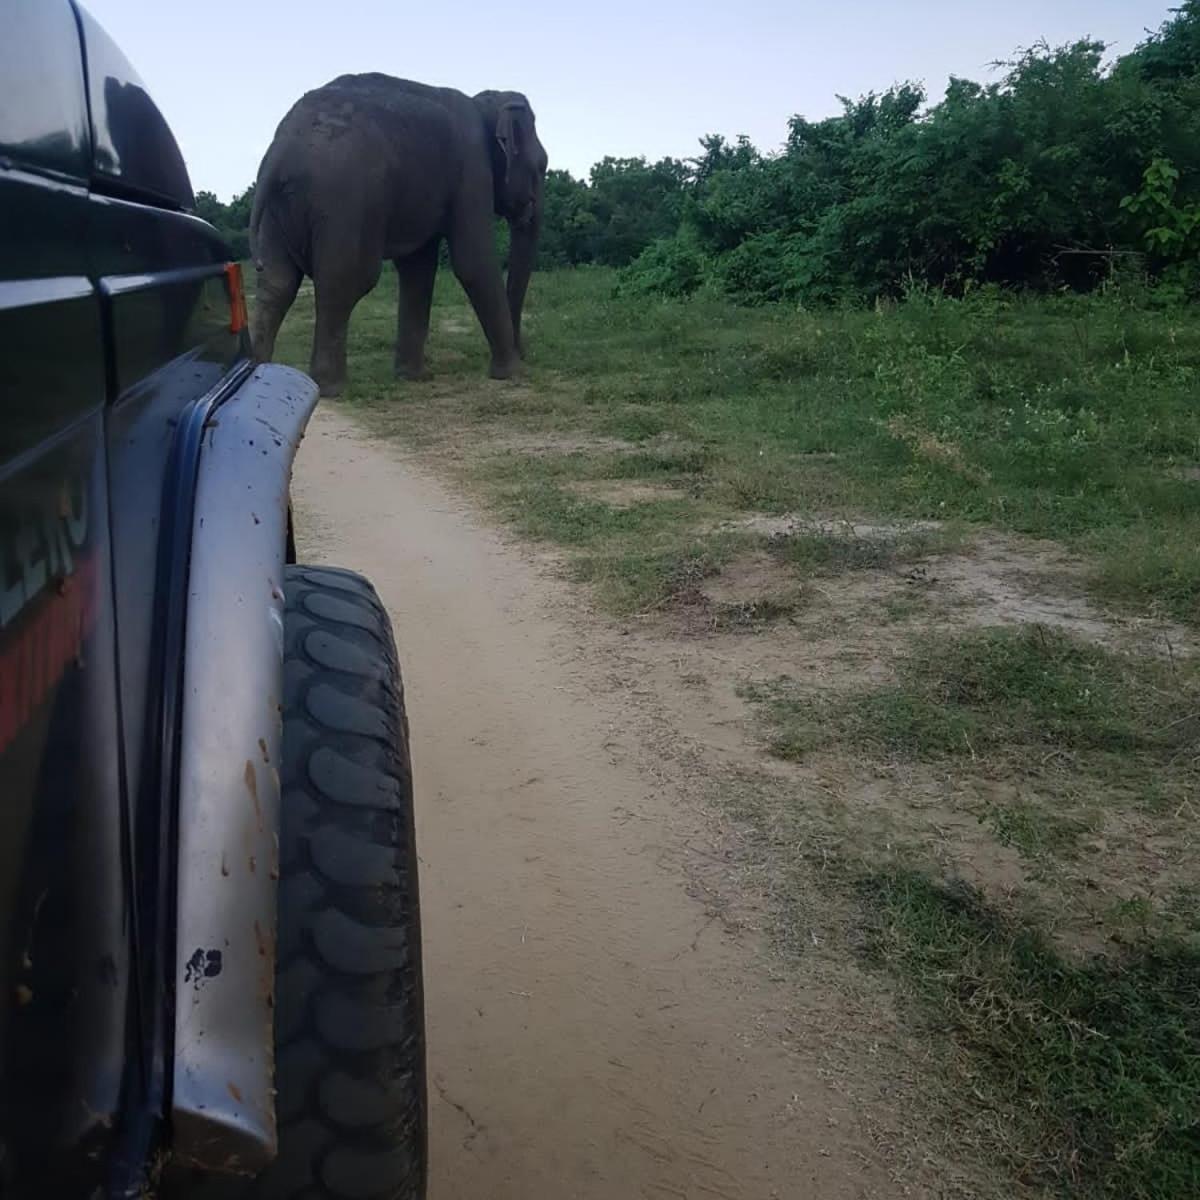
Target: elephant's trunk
521,255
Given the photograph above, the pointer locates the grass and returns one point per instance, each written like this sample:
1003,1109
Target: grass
878,441
546,511
1095,1064
1152,564
902,607
1072,417
632,580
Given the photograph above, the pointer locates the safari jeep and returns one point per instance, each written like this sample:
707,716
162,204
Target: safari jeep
210,980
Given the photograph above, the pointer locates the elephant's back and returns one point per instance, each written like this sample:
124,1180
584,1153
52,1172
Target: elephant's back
388,90
374,115
386,153
353,100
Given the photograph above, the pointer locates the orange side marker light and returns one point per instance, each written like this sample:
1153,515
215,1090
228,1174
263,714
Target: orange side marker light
237,298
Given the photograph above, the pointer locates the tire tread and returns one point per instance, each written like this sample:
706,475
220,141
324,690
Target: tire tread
350,1051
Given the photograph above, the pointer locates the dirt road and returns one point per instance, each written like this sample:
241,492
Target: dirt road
593,1030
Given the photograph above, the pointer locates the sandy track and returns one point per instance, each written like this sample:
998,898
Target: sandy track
593,1031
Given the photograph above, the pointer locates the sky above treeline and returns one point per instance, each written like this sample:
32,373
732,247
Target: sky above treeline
623,78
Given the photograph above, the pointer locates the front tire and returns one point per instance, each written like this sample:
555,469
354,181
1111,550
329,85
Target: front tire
349,1019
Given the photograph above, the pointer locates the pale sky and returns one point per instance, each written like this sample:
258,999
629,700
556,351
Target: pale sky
622,77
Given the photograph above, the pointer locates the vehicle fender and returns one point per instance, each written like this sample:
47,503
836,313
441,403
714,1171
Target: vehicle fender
231,719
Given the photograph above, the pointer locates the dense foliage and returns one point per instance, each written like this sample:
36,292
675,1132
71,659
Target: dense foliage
1064,171
1059,173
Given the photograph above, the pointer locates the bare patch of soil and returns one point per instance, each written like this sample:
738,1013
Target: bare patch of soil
752,578
1191,473
785,524
845,631
1004,581
993,579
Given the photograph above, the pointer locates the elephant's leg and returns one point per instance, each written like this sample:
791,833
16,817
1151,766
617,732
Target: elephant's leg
521,256
416,274
338,290
473,257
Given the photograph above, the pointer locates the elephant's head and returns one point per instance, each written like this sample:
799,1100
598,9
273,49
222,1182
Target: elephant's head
519,169
518,158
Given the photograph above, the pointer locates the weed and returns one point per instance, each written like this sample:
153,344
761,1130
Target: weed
904,606
1155,567
751,614
547,512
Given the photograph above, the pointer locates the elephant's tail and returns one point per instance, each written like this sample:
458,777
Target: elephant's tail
270,224
256,216
267,195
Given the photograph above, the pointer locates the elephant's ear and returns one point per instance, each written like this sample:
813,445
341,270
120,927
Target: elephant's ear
512,130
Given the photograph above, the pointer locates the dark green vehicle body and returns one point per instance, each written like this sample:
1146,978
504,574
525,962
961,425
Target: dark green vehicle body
118,336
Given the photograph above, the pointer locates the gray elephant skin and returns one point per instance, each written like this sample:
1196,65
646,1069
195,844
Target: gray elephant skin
369,168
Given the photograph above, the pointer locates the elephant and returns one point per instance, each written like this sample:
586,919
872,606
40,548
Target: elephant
369,167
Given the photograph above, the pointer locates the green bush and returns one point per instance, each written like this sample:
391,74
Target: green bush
669,267
773,266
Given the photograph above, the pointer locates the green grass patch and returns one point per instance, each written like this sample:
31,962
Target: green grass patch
1035,830
631,578
1092,1069
1037,692
547,512
904,606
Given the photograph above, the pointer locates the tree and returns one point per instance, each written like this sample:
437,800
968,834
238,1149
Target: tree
232,220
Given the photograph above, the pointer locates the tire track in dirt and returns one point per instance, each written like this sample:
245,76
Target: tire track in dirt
593,1031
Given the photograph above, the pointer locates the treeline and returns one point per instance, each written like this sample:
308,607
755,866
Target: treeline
1062,172
1057,174
232,219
